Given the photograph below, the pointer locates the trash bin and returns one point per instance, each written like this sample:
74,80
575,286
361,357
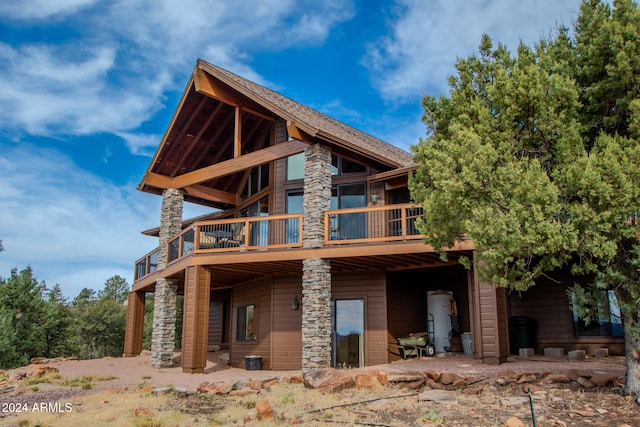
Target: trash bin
522,333
253,363
466,343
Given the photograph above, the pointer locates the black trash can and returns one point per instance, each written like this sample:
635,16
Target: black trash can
522,333
253,363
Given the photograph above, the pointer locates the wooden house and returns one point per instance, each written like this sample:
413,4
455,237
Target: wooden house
310,257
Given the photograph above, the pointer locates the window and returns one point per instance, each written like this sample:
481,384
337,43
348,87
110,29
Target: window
341,166
295,167
351,225
246,323
295,199
257,180
608,322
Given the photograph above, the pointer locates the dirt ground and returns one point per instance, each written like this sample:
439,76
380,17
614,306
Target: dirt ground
128,392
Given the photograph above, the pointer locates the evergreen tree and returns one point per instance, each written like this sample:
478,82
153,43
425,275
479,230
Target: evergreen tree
21,309
115,288
535,157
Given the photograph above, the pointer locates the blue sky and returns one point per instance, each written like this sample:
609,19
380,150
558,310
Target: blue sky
88,88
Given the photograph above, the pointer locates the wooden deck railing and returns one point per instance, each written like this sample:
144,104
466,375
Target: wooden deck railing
344,226
146,265
368,225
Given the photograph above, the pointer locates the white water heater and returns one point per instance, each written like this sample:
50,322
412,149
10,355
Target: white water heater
439,305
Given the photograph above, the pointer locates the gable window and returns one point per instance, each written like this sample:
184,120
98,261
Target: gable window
608,322
341,166
246,323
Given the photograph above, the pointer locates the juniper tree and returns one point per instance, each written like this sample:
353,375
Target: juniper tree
535,157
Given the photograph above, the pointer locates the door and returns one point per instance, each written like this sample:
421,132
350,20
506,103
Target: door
353,225
347,334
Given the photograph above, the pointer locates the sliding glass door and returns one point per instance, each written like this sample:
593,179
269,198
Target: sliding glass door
347,334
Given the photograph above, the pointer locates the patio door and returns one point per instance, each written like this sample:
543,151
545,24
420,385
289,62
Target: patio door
352,225
347,333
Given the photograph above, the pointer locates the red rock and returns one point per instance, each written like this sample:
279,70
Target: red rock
328,380
585,382
448,378
514,422
220,387
602,380
434,376
368,380
264,411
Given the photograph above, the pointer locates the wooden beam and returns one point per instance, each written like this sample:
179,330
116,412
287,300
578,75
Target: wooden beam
207,85
211,194
237,133
228,167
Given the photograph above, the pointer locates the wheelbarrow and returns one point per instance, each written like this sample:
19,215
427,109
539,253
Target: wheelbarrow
419,344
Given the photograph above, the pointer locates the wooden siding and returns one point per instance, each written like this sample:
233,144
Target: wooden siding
217,322
370,286
407,300
196,319
286,336
491,332
547,303
258,293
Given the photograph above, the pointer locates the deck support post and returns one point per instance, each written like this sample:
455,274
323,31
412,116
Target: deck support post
135,324
195,335
491,329
164,309
316,272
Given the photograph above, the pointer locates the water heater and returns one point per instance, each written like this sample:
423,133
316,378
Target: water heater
439,306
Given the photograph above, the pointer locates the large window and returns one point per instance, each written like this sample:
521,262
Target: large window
295,167
246,323
608,322
257,180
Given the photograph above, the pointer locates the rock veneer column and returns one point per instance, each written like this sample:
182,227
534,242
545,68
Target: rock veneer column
164,309
316,272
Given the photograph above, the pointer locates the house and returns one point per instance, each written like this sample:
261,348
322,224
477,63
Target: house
311,256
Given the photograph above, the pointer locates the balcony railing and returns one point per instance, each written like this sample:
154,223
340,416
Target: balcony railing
146,265
345,226
377,224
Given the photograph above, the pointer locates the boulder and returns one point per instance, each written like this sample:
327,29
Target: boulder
220,387
328,380
368,380
448,378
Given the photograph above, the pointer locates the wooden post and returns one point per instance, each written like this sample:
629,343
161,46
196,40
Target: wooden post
195,332
135,324
492,336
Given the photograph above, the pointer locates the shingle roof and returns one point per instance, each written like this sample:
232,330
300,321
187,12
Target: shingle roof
312,121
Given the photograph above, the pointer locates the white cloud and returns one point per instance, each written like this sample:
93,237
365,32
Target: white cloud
127,54
426,38
73,228
41,9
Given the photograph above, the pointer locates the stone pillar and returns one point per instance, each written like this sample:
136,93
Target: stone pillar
164,309
316,272
164,323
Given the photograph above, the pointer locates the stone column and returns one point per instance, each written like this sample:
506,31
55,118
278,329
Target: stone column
316,272
164,309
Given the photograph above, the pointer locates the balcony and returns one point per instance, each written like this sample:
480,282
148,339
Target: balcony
346,226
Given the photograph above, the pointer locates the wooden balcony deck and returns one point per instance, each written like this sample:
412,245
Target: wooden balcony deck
391,223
